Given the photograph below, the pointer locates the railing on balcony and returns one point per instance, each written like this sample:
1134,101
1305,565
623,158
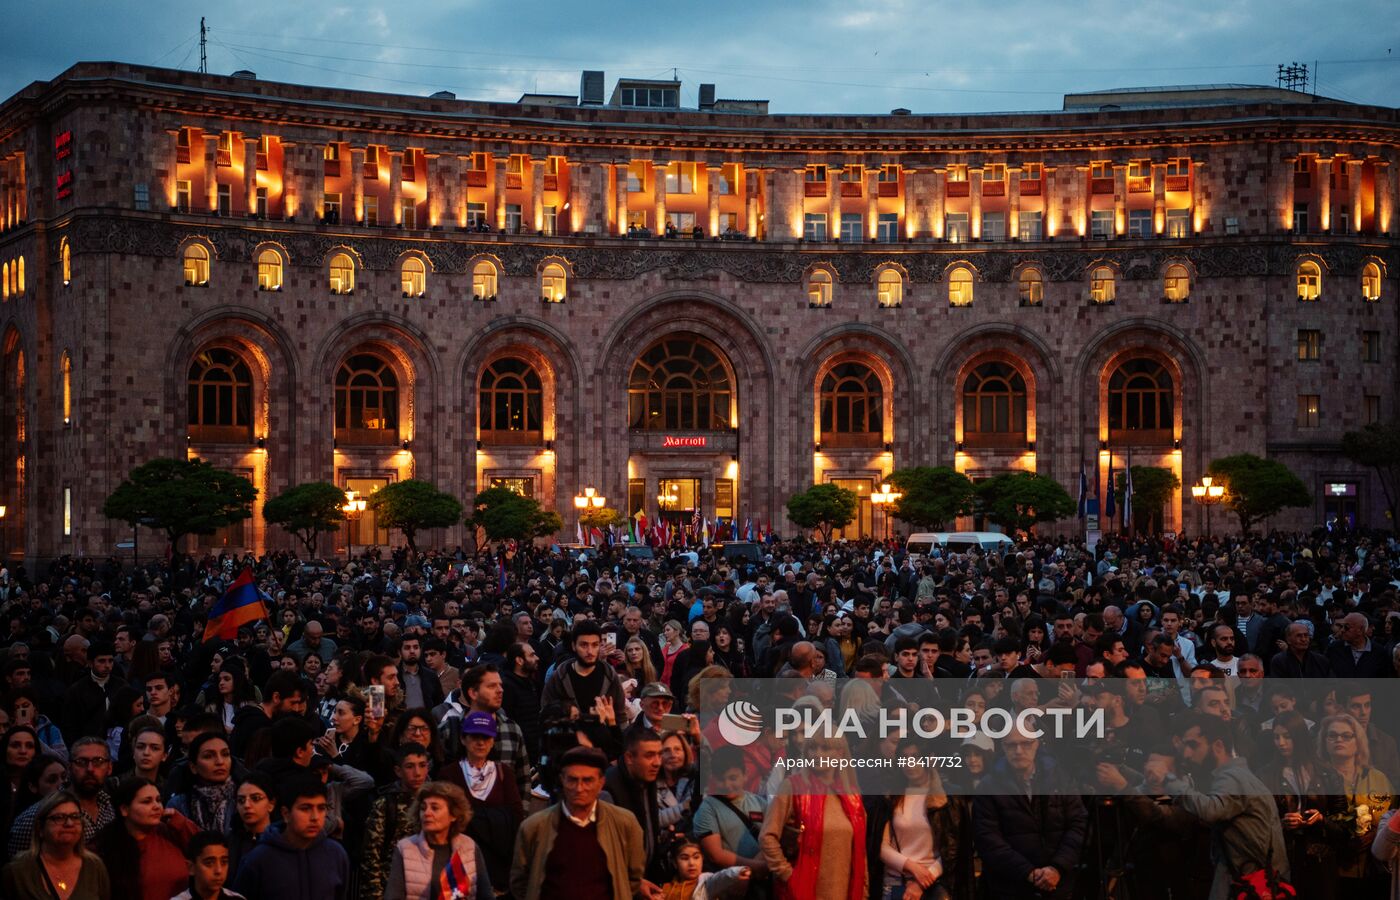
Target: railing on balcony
514,180
1030,187
551,182
1139,185
477,178
1100,185
1178,182
814,188
889,189
993,188
223,157
995,440
512,438
182,153
958,188
367,437
852,189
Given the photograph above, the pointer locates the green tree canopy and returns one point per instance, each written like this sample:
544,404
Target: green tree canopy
1256,488
307,510
180,497
823,507
1018,500
1377,446
505,515
1153,486
412,506
600,517
932,496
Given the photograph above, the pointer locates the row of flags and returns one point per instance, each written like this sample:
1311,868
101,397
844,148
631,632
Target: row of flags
700,531
1110,507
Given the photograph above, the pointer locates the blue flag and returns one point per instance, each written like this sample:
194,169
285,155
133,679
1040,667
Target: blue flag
1108,506
1128,494
1083,492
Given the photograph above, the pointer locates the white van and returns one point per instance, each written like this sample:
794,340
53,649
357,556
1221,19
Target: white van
959,542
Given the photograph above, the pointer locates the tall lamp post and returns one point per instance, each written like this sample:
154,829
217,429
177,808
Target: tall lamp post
1207,494
4,538
590,498
354,506
882,499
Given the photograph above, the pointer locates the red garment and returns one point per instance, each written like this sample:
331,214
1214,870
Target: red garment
809,801
164,870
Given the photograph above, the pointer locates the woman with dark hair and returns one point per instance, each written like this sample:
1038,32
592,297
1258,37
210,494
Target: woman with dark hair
347,742
150,748
337,682
56,865
21,745
255,801
143,849
1037,637
497,641
231,690
23,706
126,704
414,726
209,801
43,776
725,641
1310,802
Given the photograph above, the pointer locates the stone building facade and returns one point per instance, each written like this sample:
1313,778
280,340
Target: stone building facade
304,283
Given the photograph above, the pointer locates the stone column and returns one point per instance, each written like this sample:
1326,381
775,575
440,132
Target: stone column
250,174
1284,192
211,172
1324,194
576,216
498,195
537,165
1051,220
1013,203
974,203
1120,200
872,204
396,186
1384,209
432,195
1159,198
713,173
172,169
937,215
357,185
1081,199
833,203
7,199
658,196
749,180
292,187
1354,198
1197,216
620,185
313,164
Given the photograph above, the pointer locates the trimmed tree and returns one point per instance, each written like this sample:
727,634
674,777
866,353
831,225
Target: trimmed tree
412,506
931,496
306,511
1256,488
1153,486
1377,446
1018,500
180,497
824,507
505,515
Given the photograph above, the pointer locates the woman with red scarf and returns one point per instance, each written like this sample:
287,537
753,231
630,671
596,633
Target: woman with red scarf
821,809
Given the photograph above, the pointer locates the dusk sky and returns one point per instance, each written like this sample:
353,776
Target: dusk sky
815,56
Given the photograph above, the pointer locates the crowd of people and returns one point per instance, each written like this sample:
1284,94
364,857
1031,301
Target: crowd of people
532,723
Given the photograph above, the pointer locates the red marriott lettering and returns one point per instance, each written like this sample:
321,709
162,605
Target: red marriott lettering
672,440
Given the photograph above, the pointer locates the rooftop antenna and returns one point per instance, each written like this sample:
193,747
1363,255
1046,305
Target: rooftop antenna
1294,76
203,52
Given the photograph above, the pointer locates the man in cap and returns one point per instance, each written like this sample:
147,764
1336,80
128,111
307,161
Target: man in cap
657,701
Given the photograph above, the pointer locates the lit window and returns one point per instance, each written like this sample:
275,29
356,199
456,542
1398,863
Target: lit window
814,227
554,283
1176,286
889,289
960,287
1179,223
1309,281
484,281
19,278
1309,345
1101,285
413,277
819,288
993,226
1371,282
995,172
269,270
196,265
888,173
1030,226
342,274
1140,223
1032,287
680,178
1101,169
956,227
1309,410
1178,166
408,213
65,256
66,368
852,173
5,280
816,174
1031,172
1101,224
887,228
957,174
182,196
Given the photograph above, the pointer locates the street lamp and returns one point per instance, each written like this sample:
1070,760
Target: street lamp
4,538
1207,494
354,506
590,498
882,500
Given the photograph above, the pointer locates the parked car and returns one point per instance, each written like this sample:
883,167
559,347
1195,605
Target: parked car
923,543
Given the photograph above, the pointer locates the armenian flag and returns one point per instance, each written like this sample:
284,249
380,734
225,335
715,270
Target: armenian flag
240,605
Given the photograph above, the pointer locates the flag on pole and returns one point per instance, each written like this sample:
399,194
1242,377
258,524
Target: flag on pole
1109,508
1083,492
1128,494
705,532
501,574
581,539
239,605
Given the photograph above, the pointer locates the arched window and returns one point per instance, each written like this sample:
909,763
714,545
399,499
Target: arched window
554,283
852,406
366,401
1309,281
1371,282
414,277
960,287
342,274
19,290
220,397
484,280
1176,285
679,383
511,403
819,288
5,281
994,405
889,290
65,258
66,373
196,265
269,270
1141,403
1102,288
1031,286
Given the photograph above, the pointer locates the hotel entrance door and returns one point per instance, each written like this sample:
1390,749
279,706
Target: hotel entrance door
677,499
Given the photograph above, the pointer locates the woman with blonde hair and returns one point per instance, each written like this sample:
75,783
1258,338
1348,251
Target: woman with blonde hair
704,698
57,864
636,661
672,647
1342,744
439,862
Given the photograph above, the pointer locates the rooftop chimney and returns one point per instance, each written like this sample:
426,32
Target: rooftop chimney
590,89
707,96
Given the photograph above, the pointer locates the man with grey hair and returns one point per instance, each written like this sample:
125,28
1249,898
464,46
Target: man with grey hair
1353,655
1299,660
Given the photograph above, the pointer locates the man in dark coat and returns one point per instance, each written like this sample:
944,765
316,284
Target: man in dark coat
631,784
1354,655
86,702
